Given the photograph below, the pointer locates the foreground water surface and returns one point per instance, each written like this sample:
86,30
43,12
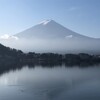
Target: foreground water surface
56,83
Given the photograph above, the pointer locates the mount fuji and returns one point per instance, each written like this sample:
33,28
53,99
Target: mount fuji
50,36
50,29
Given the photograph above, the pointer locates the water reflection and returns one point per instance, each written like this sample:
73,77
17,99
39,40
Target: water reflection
50,83
19,66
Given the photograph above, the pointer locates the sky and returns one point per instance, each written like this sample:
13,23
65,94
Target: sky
81,16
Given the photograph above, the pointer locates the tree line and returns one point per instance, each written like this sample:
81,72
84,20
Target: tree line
10,56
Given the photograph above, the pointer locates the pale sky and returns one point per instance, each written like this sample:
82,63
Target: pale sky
81,16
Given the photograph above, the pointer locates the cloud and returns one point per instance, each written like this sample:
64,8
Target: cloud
8,37
69,36
73,8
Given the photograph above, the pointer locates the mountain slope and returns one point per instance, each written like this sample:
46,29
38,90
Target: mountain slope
49,29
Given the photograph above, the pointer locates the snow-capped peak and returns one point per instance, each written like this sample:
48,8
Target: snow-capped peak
50,29
45,22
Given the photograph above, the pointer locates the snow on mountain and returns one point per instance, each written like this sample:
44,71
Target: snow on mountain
45,22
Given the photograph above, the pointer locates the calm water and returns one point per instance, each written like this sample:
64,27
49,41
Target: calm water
58,83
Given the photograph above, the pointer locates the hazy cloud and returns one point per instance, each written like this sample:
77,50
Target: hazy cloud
54,45
73,8
8,37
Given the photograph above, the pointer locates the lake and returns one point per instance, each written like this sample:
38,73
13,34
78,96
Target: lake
51,83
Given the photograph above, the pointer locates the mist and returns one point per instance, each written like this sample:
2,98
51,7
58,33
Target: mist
54,45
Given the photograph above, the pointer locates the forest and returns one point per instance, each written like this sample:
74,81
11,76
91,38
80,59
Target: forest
9,56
